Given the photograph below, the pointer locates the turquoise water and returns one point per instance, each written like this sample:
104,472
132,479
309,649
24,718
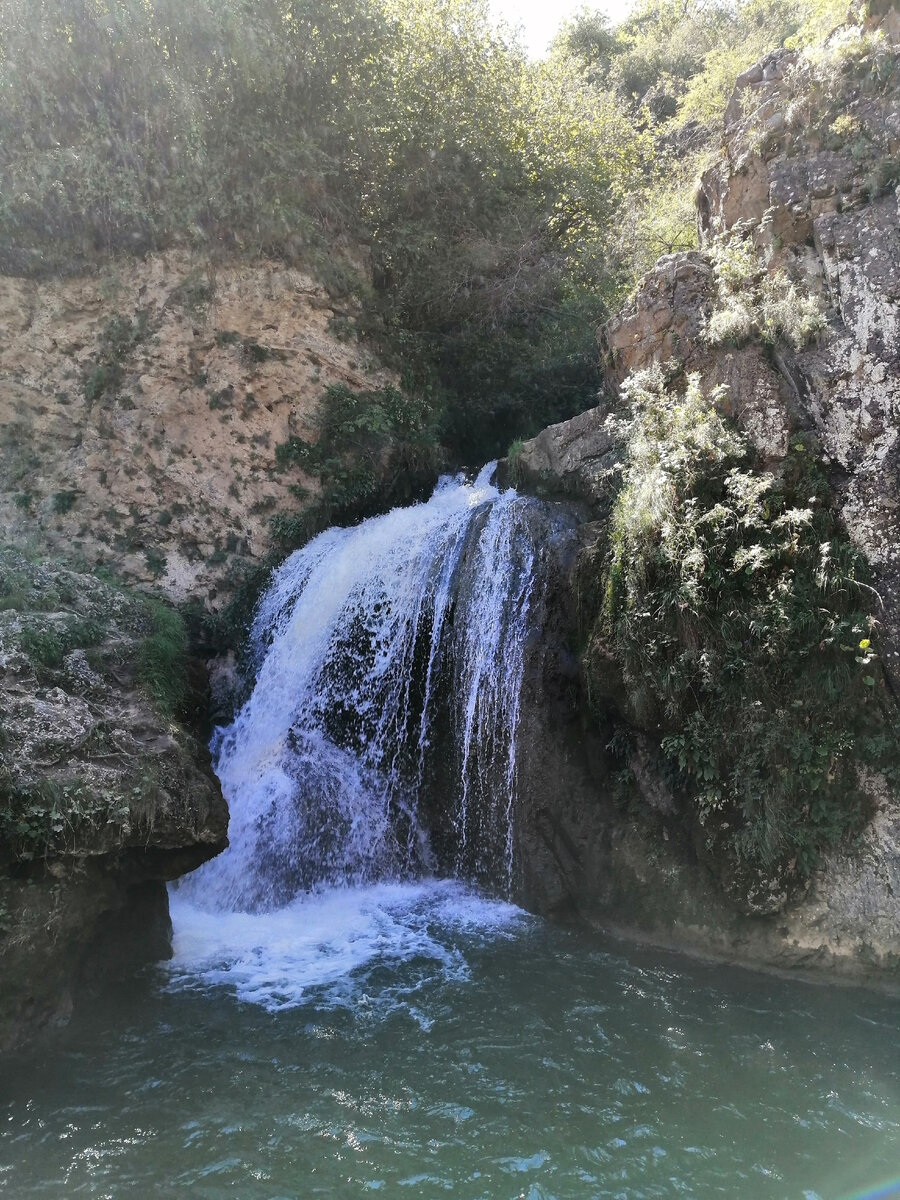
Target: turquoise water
417,1041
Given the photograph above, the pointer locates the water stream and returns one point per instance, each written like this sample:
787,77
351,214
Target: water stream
415,1040
389,660
353,1005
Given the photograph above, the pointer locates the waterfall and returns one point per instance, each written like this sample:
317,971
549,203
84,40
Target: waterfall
389,660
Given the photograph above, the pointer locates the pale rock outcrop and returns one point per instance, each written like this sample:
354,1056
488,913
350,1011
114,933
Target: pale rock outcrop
140,409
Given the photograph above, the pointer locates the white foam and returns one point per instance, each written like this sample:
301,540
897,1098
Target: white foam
367,640
323,945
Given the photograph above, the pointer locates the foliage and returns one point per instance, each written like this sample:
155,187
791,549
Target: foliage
369,444
54,787
156,563
63,501
488,211
660,217
42,646
853,64
130,121
741,617
489,193
483,185
162,658
673,64
677,60
753,302
49,816
119,337
47,644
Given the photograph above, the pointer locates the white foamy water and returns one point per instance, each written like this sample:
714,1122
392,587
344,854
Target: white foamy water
389,661
322,946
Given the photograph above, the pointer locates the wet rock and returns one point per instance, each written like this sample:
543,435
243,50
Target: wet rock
104,795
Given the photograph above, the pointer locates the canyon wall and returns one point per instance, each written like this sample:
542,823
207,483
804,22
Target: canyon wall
141,406
804,350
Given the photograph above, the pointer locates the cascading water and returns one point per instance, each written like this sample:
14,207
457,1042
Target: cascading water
389,663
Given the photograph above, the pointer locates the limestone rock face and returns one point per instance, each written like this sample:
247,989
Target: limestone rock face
104,795
823,204
809,180
575,458
140,409
829,218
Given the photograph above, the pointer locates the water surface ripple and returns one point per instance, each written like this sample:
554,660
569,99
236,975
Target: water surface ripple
418,1041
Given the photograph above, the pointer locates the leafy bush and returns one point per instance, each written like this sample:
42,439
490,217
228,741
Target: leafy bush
63,501
156,563
753,302
368,444
47,644
162,659
119,337
741,617
43,646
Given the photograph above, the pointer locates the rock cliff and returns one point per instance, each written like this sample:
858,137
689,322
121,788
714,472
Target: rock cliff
140,409
788,316
104,791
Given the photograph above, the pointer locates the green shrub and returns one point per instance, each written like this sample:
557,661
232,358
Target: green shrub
368,442
47,645
740,615
156,563
119,337
753,302
162,659
43,646
63,501
254,352
194,295
81,632
222,399
227,337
